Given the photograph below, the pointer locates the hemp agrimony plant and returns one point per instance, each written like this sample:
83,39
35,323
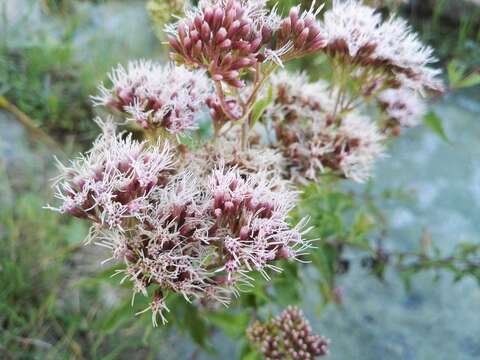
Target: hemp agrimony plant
198,220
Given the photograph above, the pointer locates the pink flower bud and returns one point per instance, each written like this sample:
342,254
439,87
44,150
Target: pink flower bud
234,27
294,12
302,38
244,233
241,63
217,18
286,28
299,26
197,49
182,32
208,14
230,75
225,44
194,35
221,35
229,18
198,22
205,32
227,61
255,44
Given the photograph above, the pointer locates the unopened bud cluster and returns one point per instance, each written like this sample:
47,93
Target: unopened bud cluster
287,337
224,37
230,36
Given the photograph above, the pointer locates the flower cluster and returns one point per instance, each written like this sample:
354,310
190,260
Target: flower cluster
176,231
357,35
111,183
300,33
313,140
288,336
223,36
196,220
347,146
156,96
229,37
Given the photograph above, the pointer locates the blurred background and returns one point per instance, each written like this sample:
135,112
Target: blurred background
423,206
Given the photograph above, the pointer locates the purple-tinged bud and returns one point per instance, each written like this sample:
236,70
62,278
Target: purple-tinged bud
266,34
190,25
125,95
208,14
205,32
233,28
319,42
217,18
243,46
244,233
227,61
298,28
187,44
293,15
221,35
217,77
229,207
218,213
245,30
194,35
230,75
225,44
130,256
314,31
236,83
197,49
182,32
255,45
229,18
286,28
302,38
198,23
241,63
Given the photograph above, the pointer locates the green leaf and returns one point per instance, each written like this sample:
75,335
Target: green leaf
261,105
455,72
469,81
433,122
116,318
457,77
234,325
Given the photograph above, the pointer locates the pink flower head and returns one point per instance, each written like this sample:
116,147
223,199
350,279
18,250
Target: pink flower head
156,96
110,182
357,34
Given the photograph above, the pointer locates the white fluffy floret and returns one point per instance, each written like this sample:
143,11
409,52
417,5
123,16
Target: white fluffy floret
403,105
155,95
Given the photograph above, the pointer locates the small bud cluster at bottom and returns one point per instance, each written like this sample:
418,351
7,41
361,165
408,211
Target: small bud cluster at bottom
288,336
